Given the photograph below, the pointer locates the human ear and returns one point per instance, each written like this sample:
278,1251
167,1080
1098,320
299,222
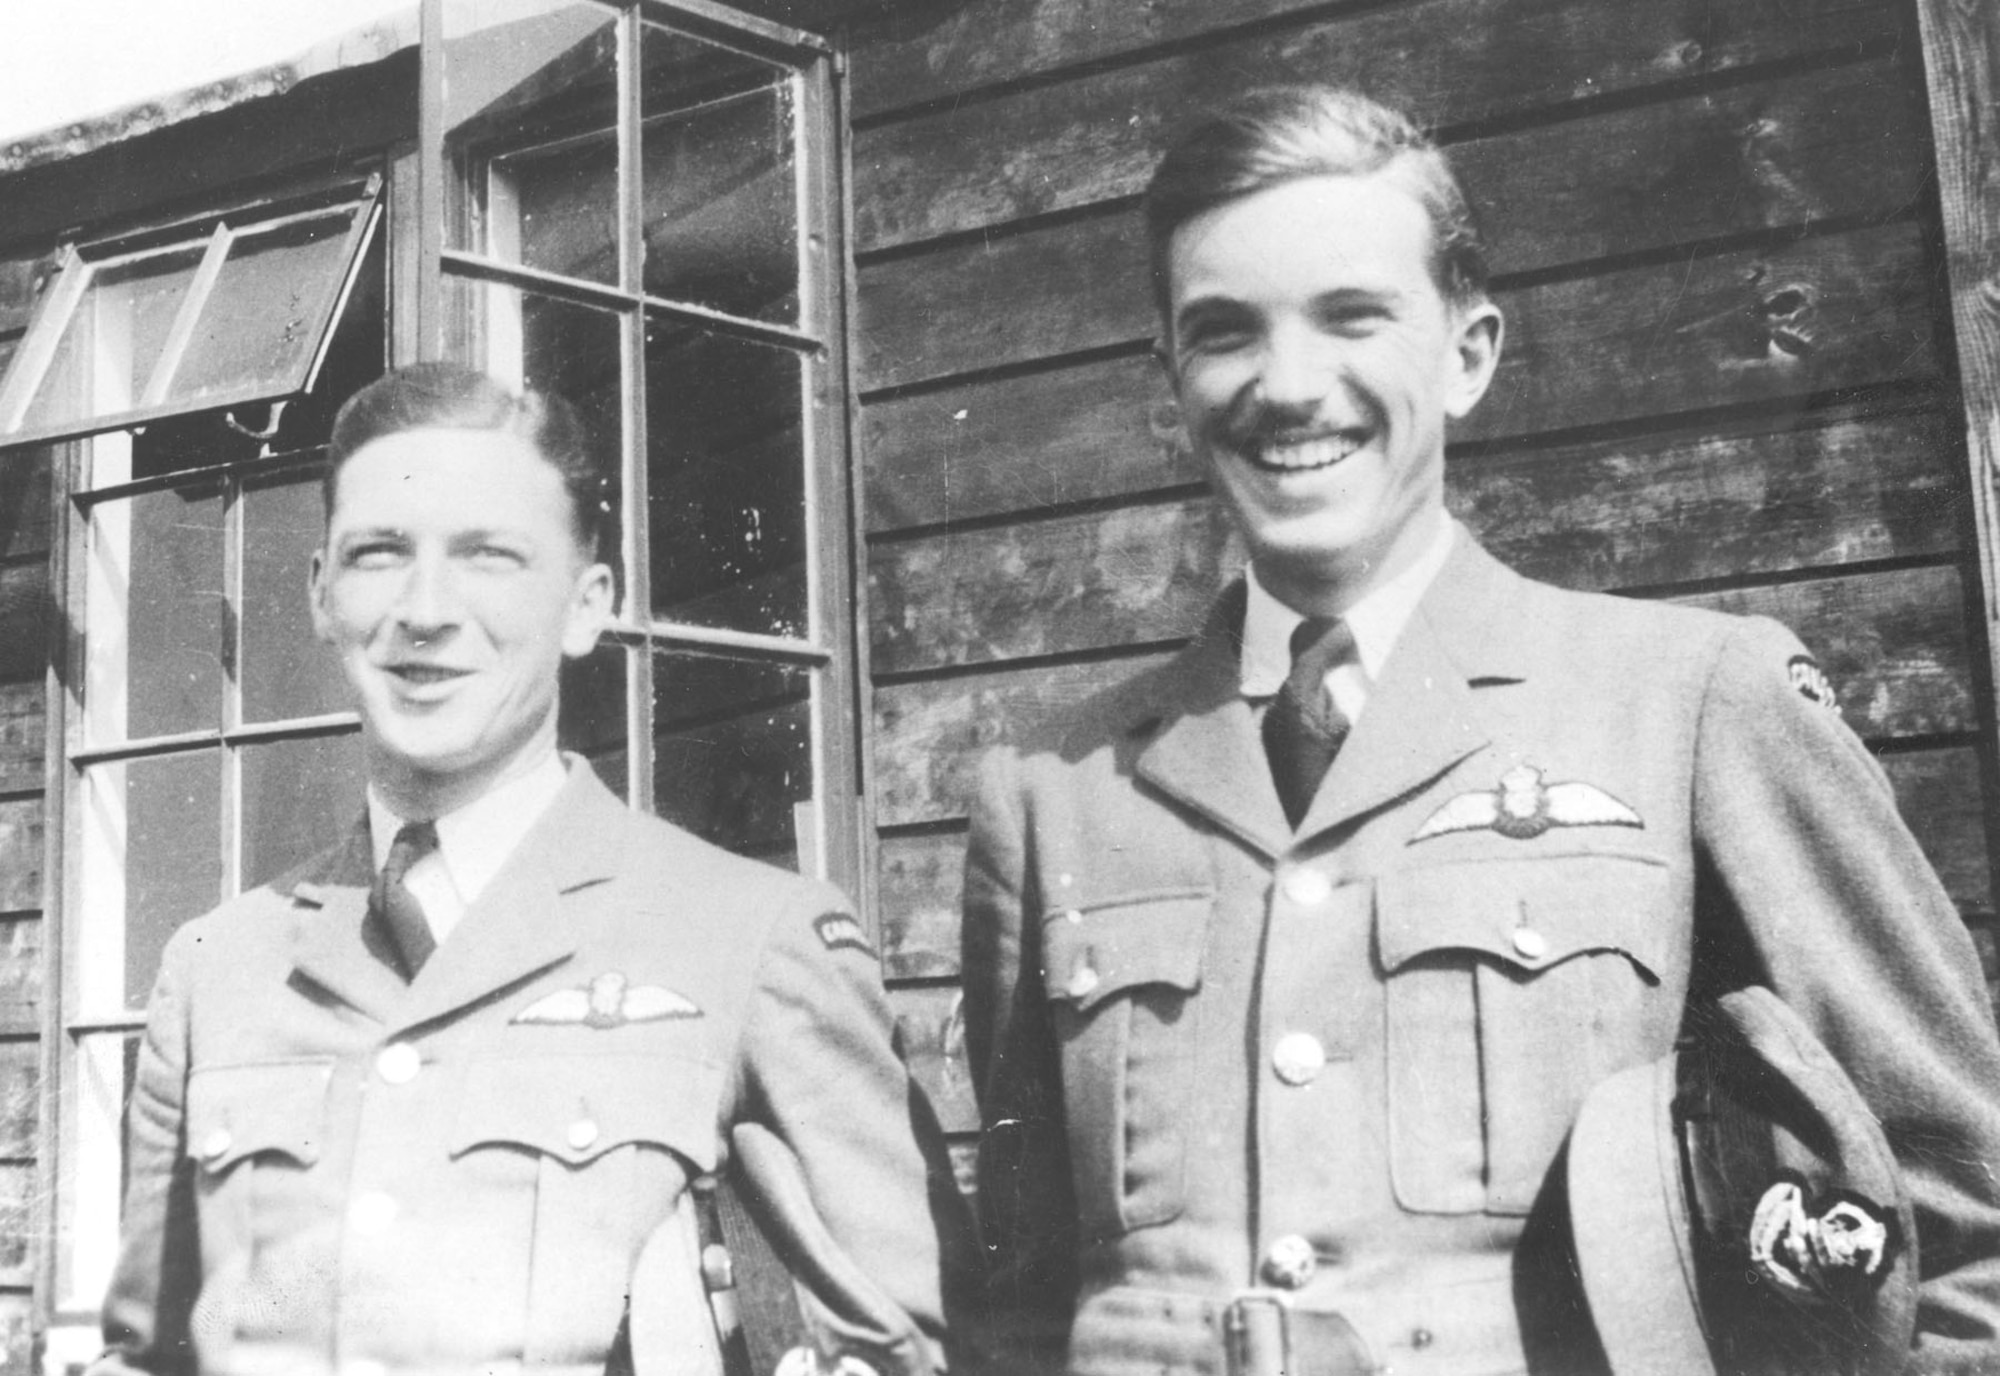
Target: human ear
1477,333
590,610
316,593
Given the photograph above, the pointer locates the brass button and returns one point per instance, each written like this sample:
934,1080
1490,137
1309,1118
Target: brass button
1083,982
1530,943
1298,1058
398,1063
217,1144
1307,887
581,1134
1073,915
1290,1262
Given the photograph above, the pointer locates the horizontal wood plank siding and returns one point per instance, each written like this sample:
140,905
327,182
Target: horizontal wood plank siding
1728,377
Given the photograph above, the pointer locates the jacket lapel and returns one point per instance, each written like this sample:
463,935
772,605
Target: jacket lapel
1207,754
522,924
331,942
1422,716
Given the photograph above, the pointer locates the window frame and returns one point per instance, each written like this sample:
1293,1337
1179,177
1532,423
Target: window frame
833,649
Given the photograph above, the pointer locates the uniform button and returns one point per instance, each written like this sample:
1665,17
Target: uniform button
1530,943
582,1133
371,1213
1290,1263
216,1144
398,1063
1298,1058
1307,887
1083,982
1073,915
1065,880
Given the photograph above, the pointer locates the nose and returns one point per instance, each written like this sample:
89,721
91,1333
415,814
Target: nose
1295,369
426,605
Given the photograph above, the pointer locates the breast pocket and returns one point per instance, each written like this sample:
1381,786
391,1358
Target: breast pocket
1513,986
250,1121
611,1141
1121,978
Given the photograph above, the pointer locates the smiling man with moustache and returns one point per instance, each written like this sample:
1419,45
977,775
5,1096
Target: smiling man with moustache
435,1101
1290,964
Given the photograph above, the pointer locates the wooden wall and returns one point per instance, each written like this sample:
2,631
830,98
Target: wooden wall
1728,378
24,605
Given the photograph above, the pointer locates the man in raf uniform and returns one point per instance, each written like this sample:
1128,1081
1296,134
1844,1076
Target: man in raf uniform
434,1101
1290,963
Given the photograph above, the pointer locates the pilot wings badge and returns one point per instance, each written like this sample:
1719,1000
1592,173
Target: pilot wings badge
609,1000
1523,807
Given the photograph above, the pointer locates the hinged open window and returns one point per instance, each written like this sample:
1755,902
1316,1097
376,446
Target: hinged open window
223,310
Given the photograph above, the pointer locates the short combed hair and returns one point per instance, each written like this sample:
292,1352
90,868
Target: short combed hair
448,396
1279,134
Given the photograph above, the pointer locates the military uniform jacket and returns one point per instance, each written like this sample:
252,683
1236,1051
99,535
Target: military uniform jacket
330,1169
1214,1054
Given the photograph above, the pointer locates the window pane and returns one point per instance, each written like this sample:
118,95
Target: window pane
267,313
152,840
526,339
726,476
531,93
593,703
732,751
113,340
155,615
299,797
106,1068
720,179
286,671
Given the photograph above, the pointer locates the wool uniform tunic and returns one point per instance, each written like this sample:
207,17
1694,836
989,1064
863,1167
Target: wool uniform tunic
1333,1066
335,1171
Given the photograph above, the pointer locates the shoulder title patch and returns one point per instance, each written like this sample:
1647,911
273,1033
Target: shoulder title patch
1812,682
839,930
607,1001
1523,807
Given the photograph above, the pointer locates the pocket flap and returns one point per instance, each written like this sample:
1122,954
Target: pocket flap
577,1107
1097,951
1529,914
236,1111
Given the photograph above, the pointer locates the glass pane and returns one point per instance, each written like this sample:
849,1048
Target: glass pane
526,339
720,179
727,482
531,93
593,703
263,321
732,751
155,615
152,838
299,797
285,670
113,340
106,1069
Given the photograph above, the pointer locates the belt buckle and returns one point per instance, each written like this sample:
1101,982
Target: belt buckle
1254,1333
1265,1334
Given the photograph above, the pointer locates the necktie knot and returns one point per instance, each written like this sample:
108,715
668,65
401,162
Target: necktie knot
1303,729
399,908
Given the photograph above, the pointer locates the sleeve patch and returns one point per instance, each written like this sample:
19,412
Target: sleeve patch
1812,682
838,931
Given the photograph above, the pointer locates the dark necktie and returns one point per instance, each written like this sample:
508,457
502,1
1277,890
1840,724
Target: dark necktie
398,908
1303,729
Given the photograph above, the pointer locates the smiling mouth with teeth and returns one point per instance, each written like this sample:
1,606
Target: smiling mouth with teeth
425,673
1303,454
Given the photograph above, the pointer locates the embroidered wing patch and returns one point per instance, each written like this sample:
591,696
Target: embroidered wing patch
1523,807
1815,1247
1812,682
607,1001
838,931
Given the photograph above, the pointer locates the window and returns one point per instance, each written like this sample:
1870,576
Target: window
639,215
184,381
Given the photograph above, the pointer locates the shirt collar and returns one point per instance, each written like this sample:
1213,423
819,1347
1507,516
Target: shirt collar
1377,620
476,839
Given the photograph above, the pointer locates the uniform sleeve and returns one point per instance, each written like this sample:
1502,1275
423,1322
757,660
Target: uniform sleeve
1026,1202
1845,919
843,1158
158,1275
